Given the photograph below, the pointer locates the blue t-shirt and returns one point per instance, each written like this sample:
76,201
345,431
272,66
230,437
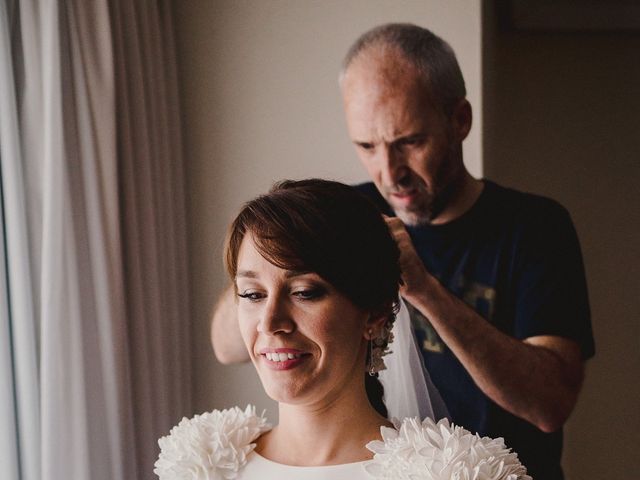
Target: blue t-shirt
514,258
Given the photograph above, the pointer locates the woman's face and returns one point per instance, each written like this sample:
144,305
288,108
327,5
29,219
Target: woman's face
305,338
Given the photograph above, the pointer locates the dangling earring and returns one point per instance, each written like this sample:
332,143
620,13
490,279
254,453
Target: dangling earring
378,348
371,369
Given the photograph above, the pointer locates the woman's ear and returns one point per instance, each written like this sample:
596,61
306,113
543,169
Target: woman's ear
376,321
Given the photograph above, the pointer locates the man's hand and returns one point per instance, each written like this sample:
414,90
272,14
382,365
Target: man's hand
225,332
414,275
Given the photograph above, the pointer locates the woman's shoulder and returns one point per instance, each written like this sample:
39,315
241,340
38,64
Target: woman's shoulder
212,445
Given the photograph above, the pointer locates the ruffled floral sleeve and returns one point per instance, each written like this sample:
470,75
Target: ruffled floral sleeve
211,446
426,450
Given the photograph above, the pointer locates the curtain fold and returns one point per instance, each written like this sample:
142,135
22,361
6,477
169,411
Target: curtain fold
94,304
154,216
19,333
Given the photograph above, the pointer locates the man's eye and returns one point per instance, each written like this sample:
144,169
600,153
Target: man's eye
366,146
414,140
309,293
252,296
411,141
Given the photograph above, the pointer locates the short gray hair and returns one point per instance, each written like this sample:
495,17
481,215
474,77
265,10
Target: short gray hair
432,57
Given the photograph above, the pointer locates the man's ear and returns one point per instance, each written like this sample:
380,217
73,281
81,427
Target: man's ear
461,120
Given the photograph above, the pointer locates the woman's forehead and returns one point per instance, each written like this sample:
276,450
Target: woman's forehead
251,262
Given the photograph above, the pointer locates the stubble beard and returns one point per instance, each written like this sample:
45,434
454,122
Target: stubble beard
423,213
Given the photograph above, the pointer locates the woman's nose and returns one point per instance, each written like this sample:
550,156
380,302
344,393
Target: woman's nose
275,318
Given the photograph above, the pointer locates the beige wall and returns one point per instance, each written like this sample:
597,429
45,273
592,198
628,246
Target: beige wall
562,118
261,103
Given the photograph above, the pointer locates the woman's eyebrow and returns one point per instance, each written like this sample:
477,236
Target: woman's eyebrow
246,274
297,273
288,274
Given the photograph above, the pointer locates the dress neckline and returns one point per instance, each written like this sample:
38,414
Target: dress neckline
304,467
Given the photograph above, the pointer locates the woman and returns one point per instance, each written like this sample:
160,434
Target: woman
316,274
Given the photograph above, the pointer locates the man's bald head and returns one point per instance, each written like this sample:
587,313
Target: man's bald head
419,50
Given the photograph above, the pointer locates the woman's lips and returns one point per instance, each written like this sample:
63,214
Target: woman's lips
282,358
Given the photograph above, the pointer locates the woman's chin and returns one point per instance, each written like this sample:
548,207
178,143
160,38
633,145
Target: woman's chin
282,392
283,396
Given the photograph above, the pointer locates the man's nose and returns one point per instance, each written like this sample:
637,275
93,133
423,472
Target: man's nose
392,165
275,317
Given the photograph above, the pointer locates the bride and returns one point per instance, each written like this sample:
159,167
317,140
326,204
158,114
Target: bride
316,275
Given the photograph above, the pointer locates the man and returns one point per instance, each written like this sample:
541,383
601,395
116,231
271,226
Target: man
494,277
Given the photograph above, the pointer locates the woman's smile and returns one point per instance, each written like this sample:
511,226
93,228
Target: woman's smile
282,358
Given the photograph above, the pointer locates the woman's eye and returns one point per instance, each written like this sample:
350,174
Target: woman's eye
309,293
252,296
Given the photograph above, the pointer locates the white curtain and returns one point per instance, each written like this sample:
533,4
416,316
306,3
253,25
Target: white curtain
93,297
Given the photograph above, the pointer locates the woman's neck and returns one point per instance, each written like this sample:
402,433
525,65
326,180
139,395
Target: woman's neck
332,432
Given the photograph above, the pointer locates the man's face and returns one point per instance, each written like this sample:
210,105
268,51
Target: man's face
410,148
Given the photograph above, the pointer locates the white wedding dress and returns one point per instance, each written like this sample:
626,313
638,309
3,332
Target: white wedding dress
260,468
219,445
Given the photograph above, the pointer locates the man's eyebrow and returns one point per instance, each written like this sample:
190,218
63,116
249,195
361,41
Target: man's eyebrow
412,136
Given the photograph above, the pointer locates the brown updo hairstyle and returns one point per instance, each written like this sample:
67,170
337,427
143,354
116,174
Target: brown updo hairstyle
324,227
331,229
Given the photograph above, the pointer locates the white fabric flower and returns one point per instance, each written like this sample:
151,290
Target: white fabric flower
429,451
211,446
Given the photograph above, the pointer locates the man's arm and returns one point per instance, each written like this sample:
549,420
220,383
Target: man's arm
537,379
225,332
